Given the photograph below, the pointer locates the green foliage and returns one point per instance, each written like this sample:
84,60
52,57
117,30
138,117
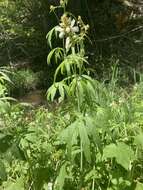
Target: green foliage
93,140
23,81
100,148
123,153
3,89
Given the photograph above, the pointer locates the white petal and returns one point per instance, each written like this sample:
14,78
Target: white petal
72,22
69,20
59,29
50,186
61,35
67,45
75,29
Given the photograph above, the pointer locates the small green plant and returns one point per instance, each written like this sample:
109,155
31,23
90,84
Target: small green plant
23,81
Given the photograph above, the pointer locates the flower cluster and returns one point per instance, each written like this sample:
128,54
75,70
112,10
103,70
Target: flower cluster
70,30
67,26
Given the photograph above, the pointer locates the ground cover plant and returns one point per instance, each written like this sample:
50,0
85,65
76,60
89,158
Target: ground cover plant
92,138
40,149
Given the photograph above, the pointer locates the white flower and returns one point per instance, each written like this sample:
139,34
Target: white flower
72,22
61,30
74,28
64,29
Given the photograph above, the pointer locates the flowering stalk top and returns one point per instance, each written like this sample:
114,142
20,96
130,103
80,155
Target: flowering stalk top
71,30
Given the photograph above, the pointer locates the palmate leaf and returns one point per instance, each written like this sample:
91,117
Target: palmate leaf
58,54
89,90
123,154
93,130
69,136
70,62
83,88
60,87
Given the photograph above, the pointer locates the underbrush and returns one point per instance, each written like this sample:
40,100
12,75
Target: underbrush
24,80
41,148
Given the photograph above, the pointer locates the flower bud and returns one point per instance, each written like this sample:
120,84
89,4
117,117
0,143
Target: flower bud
75,29
61,35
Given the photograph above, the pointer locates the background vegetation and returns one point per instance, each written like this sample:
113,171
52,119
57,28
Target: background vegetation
86,132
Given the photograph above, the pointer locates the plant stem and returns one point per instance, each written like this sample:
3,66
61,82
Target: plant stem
81,157
93,184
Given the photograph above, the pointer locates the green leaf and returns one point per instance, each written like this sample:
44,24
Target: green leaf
139,186
57,53
84,140
80,90
52,92
17,185
123,154
49,36
62,91
3,174
72,87
61,177
110,151
93,174
138,140
68,68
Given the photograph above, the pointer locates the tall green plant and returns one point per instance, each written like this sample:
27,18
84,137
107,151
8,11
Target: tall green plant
77,85
71,60
92,142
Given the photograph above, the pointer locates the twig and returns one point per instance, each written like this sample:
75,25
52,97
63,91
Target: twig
120,35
